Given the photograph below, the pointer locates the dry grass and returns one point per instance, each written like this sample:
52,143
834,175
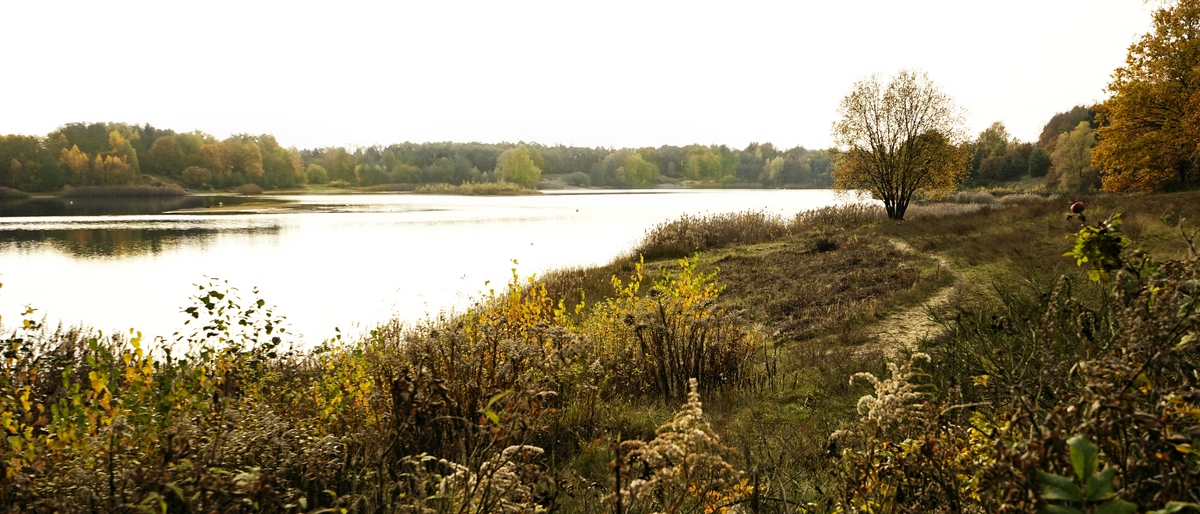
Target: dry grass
1022,198
971,197
839,217
942,210
806,290
690,234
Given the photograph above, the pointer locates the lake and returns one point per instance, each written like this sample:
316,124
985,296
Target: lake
347,261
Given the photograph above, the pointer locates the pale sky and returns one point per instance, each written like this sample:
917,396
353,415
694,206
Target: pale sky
609,73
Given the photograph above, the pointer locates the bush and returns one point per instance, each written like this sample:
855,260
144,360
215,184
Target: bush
654,344
316,174
196,176
7,193
249,189
578,178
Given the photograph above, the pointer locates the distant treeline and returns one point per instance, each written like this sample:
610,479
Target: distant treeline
1061,156
98,154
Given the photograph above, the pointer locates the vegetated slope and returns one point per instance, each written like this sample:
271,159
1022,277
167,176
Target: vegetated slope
525,402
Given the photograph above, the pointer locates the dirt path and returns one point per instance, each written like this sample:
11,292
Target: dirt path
905,329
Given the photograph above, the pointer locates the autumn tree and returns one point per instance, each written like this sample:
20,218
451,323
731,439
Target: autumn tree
898,139
1149,133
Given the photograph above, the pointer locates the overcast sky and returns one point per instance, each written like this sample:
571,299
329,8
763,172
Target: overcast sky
606,73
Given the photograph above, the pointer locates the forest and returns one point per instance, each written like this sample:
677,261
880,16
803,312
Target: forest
109,154
104,154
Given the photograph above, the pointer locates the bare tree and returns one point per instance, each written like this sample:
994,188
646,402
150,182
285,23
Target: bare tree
899,139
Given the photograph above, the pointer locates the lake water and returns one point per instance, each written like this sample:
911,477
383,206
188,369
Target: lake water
348,261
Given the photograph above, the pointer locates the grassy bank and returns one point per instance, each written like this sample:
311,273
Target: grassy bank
476,189
122,191
717,373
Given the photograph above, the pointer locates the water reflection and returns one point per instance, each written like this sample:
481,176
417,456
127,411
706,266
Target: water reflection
42,207
119,242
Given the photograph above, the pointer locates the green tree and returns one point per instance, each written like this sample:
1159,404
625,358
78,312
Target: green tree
316,174
1039,162
1072,160
166,157
516,165
898,139
196,176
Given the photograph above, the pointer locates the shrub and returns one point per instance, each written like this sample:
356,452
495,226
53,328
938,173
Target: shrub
316,174
249,189
7,193
578,178
653,344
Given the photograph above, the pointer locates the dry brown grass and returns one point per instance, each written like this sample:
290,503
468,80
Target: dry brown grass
690,234
838,217
971,197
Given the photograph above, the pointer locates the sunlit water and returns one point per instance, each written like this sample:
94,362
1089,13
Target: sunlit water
347,261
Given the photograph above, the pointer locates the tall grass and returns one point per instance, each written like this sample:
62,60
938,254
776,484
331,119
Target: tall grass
690,234
971,197
839,216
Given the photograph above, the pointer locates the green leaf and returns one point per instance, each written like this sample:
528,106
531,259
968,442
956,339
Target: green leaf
1059,509
1116,506
1100,485
497,398
1083,456
1174,507
1055,487
491,415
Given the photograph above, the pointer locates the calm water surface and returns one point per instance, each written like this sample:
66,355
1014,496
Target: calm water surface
347,261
